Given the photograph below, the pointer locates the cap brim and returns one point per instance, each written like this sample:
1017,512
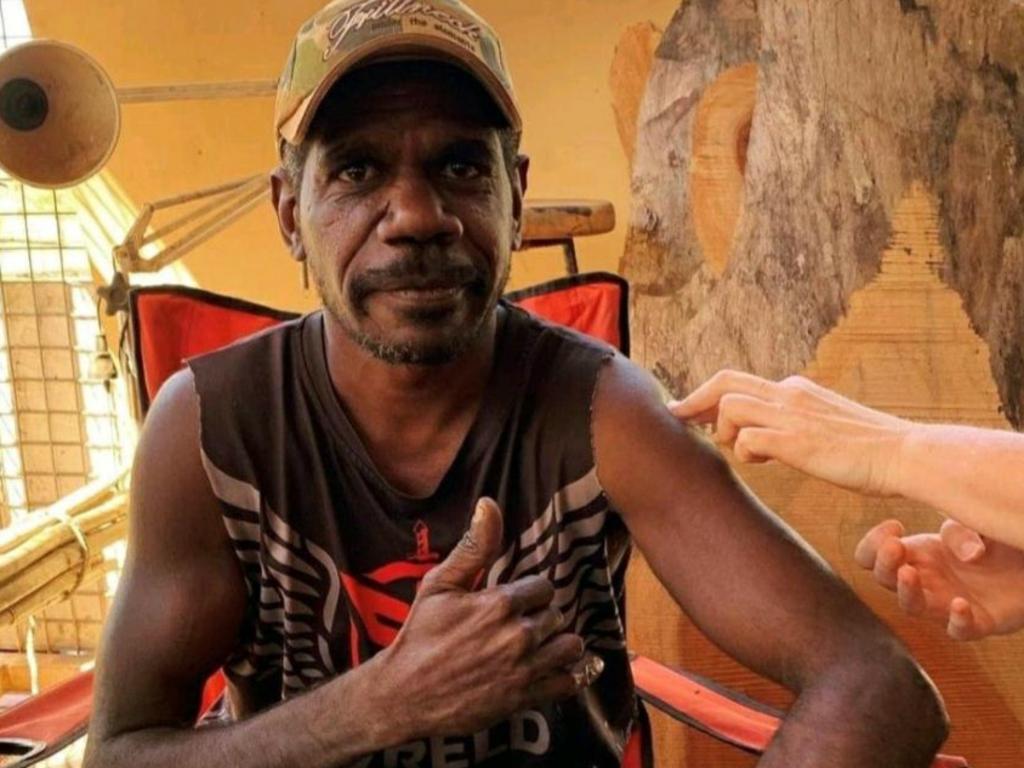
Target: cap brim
294,129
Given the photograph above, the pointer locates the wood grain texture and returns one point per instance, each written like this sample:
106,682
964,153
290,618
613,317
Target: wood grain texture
631,68
721,136
546,220
855,100
905,345
878,246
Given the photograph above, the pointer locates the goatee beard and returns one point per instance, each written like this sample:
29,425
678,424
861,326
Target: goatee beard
439,353
445,350
419,267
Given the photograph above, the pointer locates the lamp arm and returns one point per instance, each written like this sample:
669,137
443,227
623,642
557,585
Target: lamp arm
240,89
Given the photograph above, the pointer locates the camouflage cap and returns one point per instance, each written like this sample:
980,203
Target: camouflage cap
347,33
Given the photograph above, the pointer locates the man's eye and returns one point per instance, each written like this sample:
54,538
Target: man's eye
457,169
356,173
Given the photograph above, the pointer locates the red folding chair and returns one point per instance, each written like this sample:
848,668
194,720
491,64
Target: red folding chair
169,324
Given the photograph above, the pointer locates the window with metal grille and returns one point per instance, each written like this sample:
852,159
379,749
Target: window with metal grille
60,425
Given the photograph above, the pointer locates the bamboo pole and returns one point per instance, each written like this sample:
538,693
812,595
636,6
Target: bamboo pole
54,577
68,557
50,594
47,556
58,534
87,496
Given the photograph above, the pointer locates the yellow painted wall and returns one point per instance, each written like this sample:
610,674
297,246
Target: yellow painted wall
559,51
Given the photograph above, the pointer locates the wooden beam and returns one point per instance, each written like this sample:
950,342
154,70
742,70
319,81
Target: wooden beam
553,220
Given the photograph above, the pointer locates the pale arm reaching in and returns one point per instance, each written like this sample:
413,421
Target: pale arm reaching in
973,582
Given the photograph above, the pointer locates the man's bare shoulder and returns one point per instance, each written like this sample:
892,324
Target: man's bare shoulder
171,496
646,459
172,423
624,383
629,402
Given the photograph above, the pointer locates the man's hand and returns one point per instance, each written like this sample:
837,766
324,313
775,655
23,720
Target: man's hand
466,659
800,424
973,585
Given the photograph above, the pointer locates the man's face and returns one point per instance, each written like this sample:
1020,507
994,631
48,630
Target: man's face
407,214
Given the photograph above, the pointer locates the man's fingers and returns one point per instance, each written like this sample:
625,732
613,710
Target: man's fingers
966,544
560,652
529,594
565,683
556,687
891,557
909,591
544,624
476,552
706,397
867,549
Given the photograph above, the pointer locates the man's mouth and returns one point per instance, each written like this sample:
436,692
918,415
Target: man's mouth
426,295
411,291
436,292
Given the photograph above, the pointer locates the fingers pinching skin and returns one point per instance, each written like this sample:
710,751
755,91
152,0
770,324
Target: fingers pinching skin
966,545
688,413
867,549
756,445
701,405
737,412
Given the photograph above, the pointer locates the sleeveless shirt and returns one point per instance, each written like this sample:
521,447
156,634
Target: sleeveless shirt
332,554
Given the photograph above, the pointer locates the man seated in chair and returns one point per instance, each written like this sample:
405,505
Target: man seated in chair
400,524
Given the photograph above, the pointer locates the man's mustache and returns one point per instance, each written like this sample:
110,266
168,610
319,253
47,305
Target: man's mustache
417,273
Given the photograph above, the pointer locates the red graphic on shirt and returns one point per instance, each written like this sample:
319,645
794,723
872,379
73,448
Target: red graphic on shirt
423,554
379,611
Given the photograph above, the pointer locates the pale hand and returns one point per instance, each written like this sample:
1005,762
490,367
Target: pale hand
801,424
974,586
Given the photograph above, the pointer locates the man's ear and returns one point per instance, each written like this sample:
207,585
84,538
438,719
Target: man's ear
519,183
286,205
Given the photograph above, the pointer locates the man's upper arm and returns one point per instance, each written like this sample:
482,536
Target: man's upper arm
181,597
739,572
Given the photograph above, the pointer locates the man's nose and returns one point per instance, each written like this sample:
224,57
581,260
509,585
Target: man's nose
417,213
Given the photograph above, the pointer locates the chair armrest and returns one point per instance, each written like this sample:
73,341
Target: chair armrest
717,711
45,724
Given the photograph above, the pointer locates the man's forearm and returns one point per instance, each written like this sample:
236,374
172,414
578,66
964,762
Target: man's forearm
973,475
850,716
331,726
